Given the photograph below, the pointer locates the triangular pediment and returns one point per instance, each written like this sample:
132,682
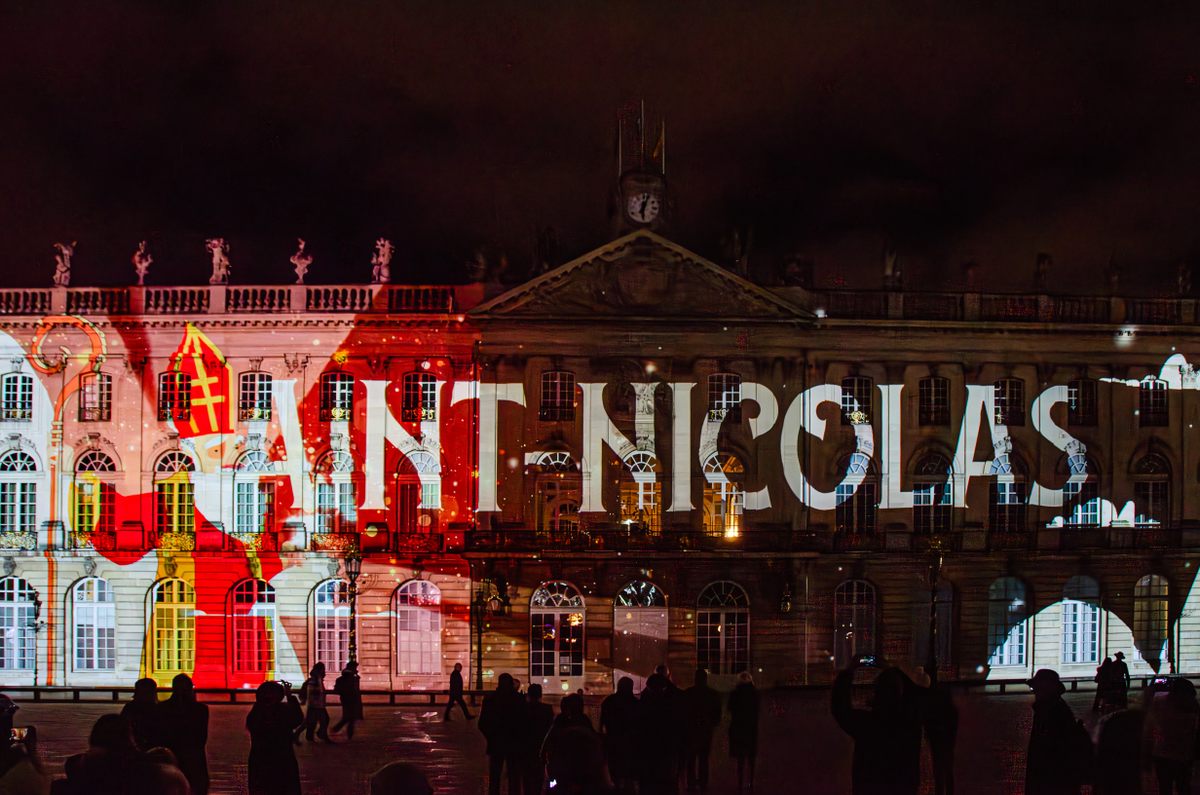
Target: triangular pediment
640,275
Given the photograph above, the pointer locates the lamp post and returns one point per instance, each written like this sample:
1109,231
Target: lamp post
489,600
353,570
37,625
936,546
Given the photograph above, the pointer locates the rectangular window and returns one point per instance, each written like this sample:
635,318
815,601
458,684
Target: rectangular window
16,636
95,636
856,400
253,638
95,397
174,397
18,507
933,395
1009,395
639,506
16,397
855,511
337,396
1006,506
420,398
94,509
724,397
1081,403
1080,632
555,644
254,396
1153,403
336,508
1151,502
175,508
418,637
254,506
558,396
1007,634
1082,502
933,504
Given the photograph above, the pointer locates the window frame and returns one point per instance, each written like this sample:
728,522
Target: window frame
933,402
255,389
418,397
95,388
419,622
1008,401
337,396
174,396
858,393
16,397
724,397
93,626
556,401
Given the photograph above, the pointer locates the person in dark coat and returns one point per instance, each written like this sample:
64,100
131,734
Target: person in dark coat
659,735
574,752
316,715
142,714
1119,753
702,713
1052,766
501,720
619,725
349,691
887,737
539,717
456,694
186,723
743,728
1172,729
113,765
1119,684
272,767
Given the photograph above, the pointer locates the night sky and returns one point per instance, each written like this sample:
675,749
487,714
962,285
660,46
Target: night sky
949,133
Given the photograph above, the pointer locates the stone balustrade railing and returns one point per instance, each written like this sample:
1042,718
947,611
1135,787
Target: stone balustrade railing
223,299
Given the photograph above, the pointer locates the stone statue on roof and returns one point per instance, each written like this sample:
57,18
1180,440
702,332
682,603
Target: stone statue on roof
141,262
62,263
219,250
381,273
301,260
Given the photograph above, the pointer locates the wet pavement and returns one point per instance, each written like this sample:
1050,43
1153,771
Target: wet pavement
801,748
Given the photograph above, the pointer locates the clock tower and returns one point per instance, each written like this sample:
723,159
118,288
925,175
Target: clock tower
641,200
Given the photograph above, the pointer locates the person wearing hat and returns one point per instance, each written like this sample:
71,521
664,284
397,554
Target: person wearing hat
1058,760
1119,686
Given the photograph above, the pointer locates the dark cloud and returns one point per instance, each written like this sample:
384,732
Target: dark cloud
954,133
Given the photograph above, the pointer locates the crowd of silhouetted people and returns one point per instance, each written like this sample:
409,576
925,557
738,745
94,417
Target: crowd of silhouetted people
653,743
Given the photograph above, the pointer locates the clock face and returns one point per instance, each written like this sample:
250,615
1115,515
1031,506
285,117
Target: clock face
643,206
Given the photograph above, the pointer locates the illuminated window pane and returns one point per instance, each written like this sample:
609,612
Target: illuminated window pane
331,615
1009,394
1082,403
853,620
1007,630
95,397
419,628
857,393
16,397
17,638
337,396
724,397
1153,403
174,397
254,396
933,396
173,628
557,401
723,629
93,615
419,398
253,627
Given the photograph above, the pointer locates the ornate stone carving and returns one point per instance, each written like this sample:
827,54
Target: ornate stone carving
381,272
62,263
219,250
141,262
301,260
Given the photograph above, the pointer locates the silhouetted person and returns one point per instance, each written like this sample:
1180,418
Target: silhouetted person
1054,765
743,728
275,716
619,725
185,721
400,778
702,714
675,698
659,736
159,774
1172,726
316,716
108,767
456,694
1103,675
539,717
142,713
887,737
501,720
941,732
1119,753
574,752
1119,681
349,691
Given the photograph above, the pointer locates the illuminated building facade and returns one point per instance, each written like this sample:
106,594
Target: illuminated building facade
636,457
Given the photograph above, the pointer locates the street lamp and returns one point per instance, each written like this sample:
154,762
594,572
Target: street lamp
491,599
37,625
353,570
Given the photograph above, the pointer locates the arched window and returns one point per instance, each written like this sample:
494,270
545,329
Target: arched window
18,641
418,628
1009,395
556,626
723,629
1153,404
1152,491
337,503
1007,629
857,392
419,398
94,625
331,614
174,396
418,492
173,628
254,493
724,495
724,397
16,397
1081,621
18,496
1081,492
640,493
174,494
1151,618
933,397
933,495
558,486
853,620
93,512
857,496
337,396
254,396
1006,498
253,627
639,631
95,397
